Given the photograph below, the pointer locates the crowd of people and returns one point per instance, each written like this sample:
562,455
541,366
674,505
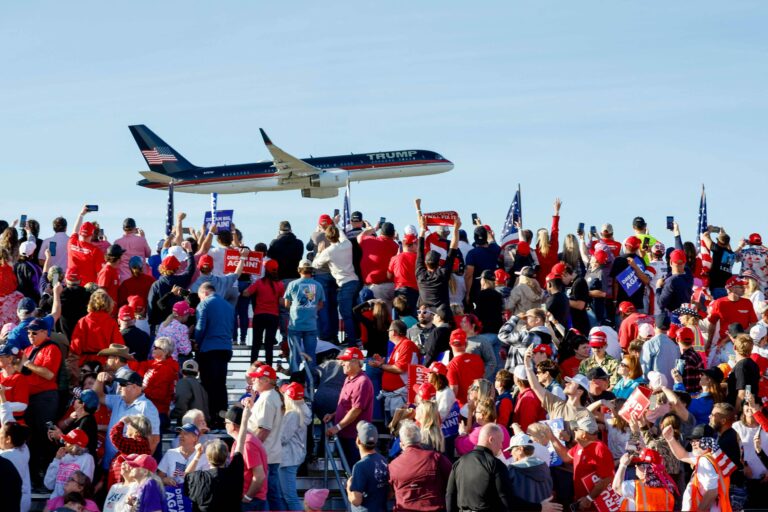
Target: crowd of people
456,373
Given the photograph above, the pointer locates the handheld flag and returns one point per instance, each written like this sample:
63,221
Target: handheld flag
347,214
510,233
704,253
169,211
214,204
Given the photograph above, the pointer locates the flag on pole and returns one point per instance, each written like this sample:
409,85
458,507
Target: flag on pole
510,233
169,211
704,254
347,214
214,204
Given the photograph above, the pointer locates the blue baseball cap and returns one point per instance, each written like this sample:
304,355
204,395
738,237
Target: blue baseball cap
38,324
27,305
90,399
7,349
189,428
136,262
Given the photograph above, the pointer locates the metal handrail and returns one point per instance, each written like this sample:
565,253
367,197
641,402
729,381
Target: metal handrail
330,444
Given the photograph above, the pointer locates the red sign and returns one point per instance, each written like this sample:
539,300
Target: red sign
447,218
417,375
253,264
636,404
608,500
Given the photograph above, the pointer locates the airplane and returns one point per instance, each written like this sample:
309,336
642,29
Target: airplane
319,177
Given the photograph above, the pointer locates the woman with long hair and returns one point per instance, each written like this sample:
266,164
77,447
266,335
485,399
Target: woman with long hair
293,438
265,294
571,255
753,292
547,246
711,393
428,418
9,295
148,491
9,241
631,376
374,316
527,293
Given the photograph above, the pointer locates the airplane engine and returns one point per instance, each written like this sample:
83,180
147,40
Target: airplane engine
319,193
330,179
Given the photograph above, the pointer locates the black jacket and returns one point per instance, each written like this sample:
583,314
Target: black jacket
287,250
479,482
137,341
74,306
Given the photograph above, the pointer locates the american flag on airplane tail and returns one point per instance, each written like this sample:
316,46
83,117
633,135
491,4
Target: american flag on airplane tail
510,233
704,254
726,465
159,155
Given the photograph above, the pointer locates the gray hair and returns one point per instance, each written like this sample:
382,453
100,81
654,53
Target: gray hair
166,345
191,415
140,423
217,453
410,433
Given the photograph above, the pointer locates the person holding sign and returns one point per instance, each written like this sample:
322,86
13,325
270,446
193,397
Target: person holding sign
652,490
629,277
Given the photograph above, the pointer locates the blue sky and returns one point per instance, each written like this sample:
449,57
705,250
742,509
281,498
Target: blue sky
619,108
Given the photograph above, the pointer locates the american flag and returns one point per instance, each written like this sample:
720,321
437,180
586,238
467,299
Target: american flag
159,155
214,205
726,465
169,212
510,233
704,254
347,214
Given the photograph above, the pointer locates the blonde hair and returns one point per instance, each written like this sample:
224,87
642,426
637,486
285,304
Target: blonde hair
487,410
752,286
100,301
542,241
538,431
299,406
571,252
743,344
429,418
485,390
531,283
217,453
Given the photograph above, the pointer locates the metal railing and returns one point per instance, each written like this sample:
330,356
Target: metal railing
330,459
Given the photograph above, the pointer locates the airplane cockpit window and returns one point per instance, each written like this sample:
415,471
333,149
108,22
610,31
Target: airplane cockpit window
438,157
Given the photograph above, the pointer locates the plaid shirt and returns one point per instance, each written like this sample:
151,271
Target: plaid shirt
125,446
692,370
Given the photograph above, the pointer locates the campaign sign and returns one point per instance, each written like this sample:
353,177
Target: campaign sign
556,425
176,501
636,404
223,220
447,218
417,375
628,280
253,263
608,500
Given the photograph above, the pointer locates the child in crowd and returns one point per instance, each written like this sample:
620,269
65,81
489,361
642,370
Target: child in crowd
73,456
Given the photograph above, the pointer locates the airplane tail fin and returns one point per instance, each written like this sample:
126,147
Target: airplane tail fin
160,157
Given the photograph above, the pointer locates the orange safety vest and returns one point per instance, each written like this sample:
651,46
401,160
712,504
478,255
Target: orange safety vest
651,499
723,484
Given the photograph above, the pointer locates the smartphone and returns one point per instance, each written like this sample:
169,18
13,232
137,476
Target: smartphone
580,229
670,222
335,212
101,233
55,280
382,220
714,229
748,389
680,366
22,222
593,231
50,425
474,219
646,243
52,248
91,207
186,231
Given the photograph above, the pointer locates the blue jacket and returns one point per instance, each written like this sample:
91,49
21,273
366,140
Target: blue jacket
215,323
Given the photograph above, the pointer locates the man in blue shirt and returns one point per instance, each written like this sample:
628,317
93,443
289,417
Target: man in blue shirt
17,337
368,488
303,298
213,335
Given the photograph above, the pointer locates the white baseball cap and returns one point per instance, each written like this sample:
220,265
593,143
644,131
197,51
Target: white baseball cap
758,332
177,252
579,379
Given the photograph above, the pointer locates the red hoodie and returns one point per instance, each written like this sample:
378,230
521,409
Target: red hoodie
94,332
159,380
547,262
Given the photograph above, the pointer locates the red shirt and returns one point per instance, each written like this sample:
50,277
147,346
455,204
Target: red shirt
159,380
528,409
593,458
728,312
419,478
570,366
109,279
134,286
613,245
762,363
630,326
94,332
84,258
405,354
547,262
462,372
265,296
47,357
16,390
254,455
377,251
403,268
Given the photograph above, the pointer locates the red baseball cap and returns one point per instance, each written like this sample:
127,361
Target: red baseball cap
141,461
677,257
425,391
647,456
72,276
552,276
126,313
523,248
458,338
135,301
170,263
409,239
755,239
559,268
735,281
77,436
271,265
438,368
633,243
626,307
182,308
264,371
501,275
685,334
601,257
294,391
543,348
87,229
325,220
206,261
598,339
351,354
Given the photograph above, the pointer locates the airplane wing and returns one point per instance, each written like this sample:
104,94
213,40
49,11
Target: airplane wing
286,163
157,177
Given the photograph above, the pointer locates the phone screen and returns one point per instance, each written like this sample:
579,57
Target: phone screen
52,248
670,223
23,221
593,230
92,207
335,212
646,242
382,220
580,229
474,218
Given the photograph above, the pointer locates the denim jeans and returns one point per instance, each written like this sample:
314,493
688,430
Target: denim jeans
241,313
255,504
274,492
376,374
346,299
288,486
298,342
328,316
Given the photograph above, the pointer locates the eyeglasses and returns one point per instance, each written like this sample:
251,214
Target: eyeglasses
425,312
626,365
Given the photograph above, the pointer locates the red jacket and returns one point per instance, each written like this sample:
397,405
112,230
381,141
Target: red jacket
134,286
94,332
159,380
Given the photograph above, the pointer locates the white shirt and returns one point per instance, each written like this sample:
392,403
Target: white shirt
445,399
747,436
268,414
60,470
338,257
218,253
173,464
60,260
20,458
708,479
